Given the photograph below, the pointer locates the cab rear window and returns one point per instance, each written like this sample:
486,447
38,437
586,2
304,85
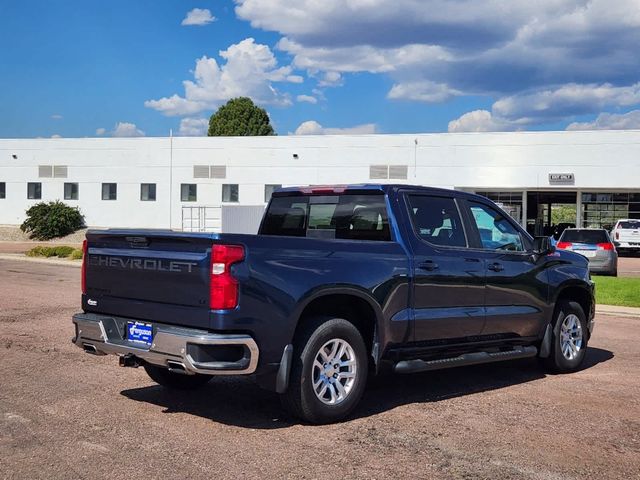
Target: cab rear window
345,216
629,225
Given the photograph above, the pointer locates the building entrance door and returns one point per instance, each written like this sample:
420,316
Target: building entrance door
549,213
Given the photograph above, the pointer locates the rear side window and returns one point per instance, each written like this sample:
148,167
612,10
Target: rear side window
347,216
436,220
585,236
629,225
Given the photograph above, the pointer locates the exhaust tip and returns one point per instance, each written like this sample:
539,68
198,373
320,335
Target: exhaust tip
89,348
177,367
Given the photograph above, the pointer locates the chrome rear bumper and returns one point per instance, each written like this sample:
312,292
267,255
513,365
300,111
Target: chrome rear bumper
172,347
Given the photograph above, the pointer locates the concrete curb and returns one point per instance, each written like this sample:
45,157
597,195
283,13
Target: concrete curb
20,257
618,311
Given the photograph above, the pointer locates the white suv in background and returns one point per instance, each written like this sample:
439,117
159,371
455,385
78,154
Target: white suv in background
626,235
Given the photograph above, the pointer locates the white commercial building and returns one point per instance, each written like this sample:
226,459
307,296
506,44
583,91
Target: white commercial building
177,182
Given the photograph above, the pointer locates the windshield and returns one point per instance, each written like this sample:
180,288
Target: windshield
585,236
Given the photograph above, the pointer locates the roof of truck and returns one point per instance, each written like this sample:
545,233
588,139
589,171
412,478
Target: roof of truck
348,188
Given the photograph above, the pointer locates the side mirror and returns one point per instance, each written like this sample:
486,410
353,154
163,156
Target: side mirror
542,246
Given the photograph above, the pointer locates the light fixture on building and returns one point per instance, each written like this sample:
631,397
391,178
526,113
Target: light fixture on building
14,156
295,155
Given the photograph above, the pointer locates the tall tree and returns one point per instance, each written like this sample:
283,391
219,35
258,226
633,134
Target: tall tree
240,117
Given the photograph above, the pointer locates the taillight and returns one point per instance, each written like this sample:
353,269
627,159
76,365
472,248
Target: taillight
83,270
223,293
605,246
563,245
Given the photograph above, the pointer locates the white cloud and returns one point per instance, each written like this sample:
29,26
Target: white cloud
543,61
479,121
55,135
311,127
193,127
610,121
125,129
567,98
56,116
331,79
423,91
250,70
307,99
198,17
101,131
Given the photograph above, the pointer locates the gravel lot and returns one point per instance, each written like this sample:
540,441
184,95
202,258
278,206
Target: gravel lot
66,414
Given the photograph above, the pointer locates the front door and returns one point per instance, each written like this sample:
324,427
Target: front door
448,290
516,282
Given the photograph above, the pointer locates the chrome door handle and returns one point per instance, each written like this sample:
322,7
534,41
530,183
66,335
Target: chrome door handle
496,267
429,265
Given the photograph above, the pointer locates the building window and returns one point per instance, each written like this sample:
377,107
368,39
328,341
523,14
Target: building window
148,192
109,191
71,191
3,190
189,192
230,192
34,190
268,191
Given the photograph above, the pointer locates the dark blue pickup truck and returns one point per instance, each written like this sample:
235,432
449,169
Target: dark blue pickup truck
340,283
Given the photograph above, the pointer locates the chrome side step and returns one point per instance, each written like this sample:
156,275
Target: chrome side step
411,366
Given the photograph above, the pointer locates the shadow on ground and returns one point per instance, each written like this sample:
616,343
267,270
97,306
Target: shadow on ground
240,402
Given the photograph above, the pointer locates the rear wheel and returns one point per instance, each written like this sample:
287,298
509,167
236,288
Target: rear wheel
570,336
329,371
177,381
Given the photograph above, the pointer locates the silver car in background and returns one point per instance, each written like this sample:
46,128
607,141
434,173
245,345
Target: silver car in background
593,243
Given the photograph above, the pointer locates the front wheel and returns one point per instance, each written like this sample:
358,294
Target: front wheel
329,371
570,337
177,381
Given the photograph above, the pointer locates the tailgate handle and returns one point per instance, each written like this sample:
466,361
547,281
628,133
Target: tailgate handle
137,242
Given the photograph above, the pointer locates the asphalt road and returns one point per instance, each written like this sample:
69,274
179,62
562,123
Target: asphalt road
66,414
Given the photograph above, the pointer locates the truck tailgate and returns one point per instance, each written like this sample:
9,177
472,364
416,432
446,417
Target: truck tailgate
153,275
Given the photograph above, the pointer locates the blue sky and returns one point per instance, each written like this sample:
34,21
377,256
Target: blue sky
118,68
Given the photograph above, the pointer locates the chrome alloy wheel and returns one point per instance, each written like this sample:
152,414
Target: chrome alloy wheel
334,371
571,336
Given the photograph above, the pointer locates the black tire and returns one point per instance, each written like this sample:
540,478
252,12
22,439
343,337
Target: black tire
175,381
557,361
300,399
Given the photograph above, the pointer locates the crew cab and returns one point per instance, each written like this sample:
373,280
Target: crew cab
340,283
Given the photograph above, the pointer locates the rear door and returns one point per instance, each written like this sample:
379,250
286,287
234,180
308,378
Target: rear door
448,287
517,286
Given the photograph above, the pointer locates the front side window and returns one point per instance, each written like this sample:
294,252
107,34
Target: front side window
3,190
346,216
436,220
230,193
71,191
496,232
148,192
109,191
189,192
34,191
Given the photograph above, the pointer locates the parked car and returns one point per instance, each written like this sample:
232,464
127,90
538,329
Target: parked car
593,243
339,282
626,235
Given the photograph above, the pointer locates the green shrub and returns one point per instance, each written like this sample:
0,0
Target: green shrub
62,251
51,220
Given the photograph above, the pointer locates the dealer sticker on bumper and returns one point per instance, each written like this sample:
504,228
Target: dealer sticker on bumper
140,332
